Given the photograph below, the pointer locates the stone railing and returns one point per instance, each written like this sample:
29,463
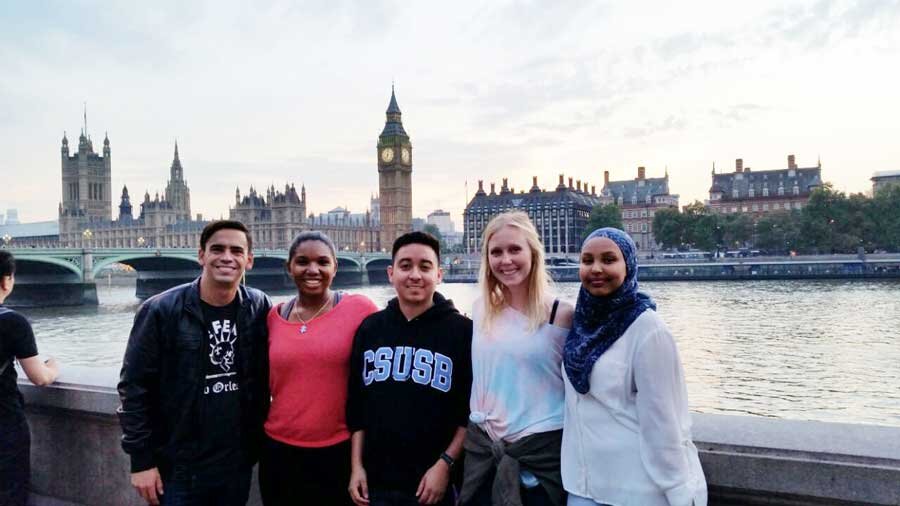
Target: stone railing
77,460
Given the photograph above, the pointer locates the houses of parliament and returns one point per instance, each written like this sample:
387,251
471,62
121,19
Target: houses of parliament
274,216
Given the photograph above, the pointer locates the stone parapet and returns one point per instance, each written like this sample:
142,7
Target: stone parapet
77,460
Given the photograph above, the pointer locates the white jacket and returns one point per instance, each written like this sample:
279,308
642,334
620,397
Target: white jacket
627,442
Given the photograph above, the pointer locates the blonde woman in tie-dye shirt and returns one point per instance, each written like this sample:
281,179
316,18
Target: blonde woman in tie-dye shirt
517,398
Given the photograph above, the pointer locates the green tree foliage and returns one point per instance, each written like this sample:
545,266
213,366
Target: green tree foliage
433,230
885,209
604,216
778,232
668,228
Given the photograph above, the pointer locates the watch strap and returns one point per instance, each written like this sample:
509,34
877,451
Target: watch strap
448,459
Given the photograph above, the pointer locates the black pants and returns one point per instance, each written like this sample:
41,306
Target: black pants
15,461
186,487
393,498
294,476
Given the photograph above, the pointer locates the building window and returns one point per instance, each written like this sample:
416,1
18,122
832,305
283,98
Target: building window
780,191
755,207
776,206
796,190
643,227
765,207
752,193
765,191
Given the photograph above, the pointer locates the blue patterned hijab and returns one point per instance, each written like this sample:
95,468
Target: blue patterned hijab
600,321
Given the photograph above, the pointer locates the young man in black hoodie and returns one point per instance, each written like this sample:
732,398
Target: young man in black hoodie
410,380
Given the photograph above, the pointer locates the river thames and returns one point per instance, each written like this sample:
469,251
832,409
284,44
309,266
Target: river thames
808,350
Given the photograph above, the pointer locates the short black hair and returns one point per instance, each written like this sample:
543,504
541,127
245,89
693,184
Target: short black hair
215,226
7,264
416,238
311,235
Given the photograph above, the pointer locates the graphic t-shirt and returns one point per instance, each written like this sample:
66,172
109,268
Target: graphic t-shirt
16,341
220,443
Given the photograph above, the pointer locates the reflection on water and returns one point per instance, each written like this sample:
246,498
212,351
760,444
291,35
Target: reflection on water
816,350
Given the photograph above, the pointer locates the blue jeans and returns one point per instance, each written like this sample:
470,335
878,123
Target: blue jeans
15,460
185,488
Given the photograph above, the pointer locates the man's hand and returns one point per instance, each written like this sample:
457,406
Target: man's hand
359,487
148,484
434,484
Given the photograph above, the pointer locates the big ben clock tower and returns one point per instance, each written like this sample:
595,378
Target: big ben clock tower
394,176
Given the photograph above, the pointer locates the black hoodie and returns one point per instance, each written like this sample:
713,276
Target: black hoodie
409,390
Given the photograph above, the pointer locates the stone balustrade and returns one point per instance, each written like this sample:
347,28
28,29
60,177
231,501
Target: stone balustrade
77,460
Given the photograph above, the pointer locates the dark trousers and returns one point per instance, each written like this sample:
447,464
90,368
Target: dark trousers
183,487
290,475
394,498
15,461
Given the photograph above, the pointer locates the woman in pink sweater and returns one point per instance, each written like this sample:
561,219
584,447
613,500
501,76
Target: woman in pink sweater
306,455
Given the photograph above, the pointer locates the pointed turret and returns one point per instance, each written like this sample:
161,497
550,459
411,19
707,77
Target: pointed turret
393,126
176,171
125,206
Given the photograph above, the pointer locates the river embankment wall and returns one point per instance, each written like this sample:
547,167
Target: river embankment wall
77,460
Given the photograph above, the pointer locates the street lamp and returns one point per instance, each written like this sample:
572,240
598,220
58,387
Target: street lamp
362,247
7,239
141,241
86,235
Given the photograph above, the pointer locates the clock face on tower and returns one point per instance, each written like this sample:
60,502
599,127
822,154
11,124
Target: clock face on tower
387,154
404,155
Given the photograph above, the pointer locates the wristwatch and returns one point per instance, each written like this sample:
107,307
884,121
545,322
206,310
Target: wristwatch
448,459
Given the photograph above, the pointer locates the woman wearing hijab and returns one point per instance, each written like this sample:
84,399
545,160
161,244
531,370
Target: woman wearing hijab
627,432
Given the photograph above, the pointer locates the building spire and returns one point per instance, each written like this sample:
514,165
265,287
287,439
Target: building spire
176,148
85,119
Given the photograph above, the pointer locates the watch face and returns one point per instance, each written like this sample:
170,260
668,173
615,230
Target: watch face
387,154
404,155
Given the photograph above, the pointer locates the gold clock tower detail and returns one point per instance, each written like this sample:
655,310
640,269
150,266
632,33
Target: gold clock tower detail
394,154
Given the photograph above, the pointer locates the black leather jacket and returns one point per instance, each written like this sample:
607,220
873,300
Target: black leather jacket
162,376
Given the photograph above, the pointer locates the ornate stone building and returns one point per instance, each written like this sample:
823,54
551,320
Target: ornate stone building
276,218
177,192
764,191
560,215
86,187
639,199
85,218
394,152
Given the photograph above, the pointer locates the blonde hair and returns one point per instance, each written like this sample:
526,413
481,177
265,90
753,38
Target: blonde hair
538,282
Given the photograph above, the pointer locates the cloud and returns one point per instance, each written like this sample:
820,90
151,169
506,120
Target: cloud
670,123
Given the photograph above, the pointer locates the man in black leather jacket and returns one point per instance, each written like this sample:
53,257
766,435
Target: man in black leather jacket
194,379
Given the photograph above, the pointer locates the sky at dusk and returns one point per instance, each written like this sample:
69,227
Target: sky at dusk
272,92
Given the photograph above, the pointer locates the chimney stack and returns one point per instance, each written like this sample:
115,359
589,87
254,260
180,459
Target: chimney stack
642,172
570,184
504,187
534,180
480,185
739,165
578,184
792,164
560,179
593,190
492,189
605,177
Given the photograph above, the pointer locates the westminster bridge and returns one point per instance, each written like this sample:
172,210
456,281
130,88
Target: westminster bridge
66,276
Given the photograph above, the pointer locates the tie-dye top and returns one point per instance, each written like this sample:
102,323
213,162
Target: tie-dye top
517,384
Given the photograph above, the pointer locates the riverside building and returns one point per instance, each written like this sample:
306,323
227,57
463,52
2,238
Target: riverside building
560,215
760,192
639,199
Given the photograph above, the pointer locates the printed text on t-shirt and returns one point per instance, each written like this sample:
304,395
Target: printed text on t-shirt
401,363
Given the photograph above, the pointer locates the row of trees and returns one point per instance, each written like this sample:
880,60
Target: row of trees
831,222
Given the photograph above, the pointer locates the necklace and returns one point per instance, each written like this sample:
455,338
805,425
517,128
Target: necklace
305,323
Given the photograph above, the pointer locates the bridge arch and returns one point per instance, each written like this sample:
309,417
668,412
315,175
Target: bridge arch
25,265
150,260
